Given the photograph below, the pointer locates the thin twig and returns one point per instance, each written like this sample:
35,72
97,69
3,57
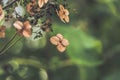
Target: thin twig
7,43
10,46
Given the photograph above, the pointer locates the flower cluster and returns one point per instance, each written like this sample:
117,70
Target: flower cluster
60,42
23,28
34,13
63,14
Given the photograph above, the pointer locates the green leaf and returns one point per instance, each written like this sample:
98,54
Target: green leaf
43,74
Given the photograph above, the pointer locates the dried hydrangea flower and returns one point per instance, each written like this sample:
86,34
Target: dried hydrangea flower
41,3
2,15
59,42
2,32
23,28
63,14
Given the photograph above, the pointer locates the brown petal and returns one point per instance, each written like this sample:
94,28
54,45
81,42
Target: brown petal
61,48
27,33
27,25
66,12
61,7
29,7
2,16
66,19
54,40
1,9
40,3
46,1
65,42
60,36
18,25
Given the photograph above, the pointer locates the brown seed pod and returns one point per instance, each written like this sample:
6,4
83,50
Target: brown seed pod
42,2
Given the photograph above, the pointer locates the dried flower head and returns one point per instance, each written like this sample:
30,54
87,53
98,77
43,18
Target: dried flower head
23,28
41,3
1,13
63,14
60,42
2,32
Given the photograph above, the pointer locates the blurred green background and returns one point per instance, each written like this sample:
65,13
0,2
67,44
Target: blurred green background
93,53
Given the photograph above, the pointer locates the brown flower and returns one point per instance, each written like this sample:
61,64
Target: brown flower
23,28
1,13
2,32
63,14
60,42
41,3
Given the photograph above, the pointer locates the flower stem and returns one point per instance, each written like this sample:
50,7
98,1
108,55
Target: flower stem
12,44
7,43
